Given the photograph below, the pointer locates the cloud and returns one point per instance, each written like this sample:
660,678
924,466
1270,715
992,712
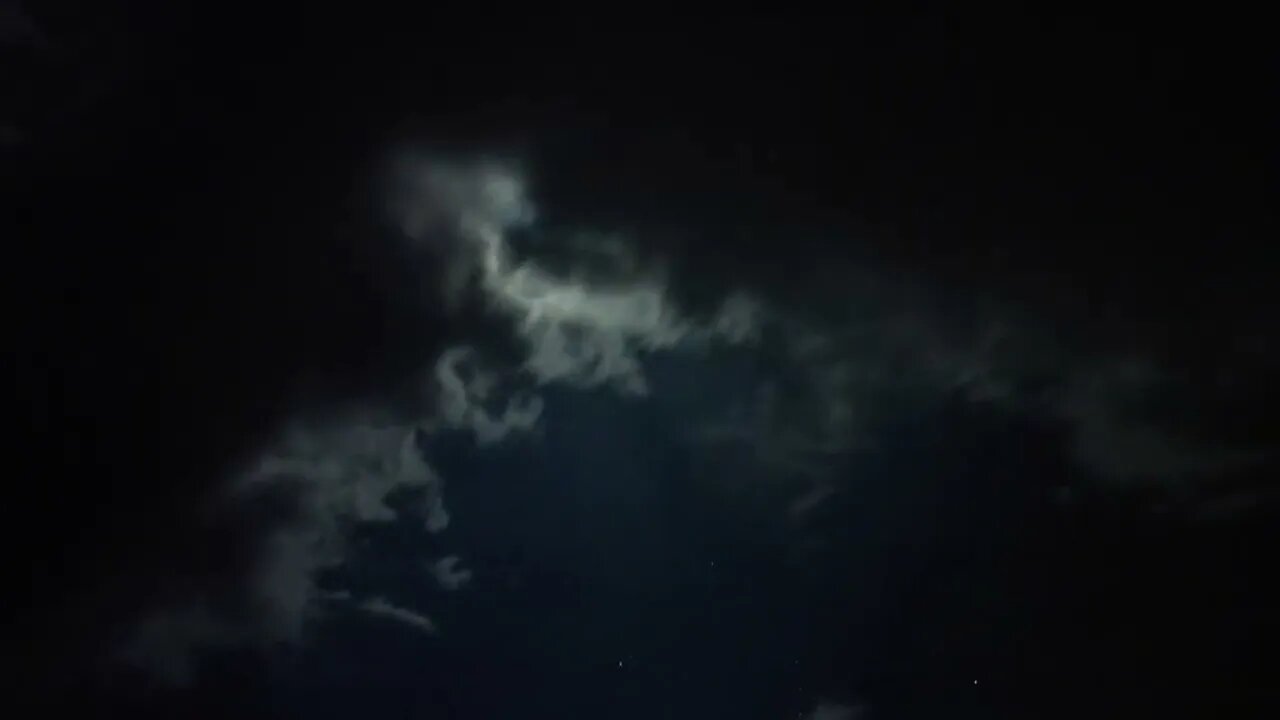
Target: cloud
463,392
849,357
578,331
437,516
1110,434
380,607
326,477
349,467
832,370
341,470
446,572
162,644
875,351
809,501
827,710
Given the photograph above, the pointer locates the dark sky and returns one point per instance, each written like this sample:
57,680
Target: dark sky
190,196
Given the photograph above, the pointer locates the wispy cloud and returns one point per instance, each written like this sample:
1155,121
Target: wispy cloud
578,331
380,607
341,470
464,390
831,377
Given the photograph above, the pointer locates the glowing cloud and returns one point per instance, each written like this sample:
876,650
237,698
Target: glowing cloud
578,332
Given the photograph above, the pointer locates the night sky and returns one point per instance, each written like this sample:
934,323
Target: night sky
998,445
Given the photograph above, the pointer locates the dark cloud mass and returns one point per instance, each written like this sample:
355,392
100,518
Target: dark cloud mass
284,302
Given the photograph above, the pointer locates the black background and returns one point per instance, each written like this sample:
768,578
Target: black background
187,242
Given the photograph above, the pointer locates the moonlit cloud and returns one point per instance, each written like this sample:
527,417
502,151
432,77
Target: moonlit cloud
577,332
348,467
341,471
446,572
464,392
887,352
828,382
380,607
336,474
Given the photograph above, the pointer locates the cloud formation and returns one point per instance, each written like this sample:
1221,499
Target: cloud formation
829,377
342,470
887,351
576,331
380,607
